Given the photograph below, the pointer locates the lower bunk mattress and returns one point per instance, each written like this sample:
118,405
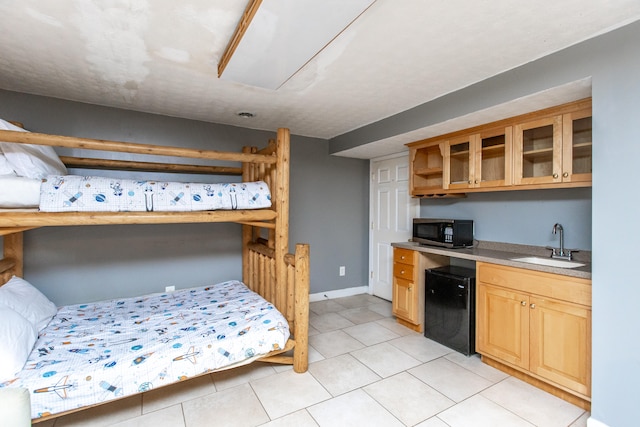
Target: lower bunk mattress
93,353
75,193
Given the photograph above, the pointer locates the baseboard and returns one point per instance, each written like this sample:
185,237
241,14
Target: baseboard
592,422
338,293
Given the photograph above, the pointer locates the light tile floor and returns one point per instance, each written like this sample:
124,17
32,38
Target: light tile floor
365,370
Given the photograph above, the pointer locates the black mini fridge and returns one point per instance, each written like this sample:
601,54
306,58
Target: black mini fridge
449,310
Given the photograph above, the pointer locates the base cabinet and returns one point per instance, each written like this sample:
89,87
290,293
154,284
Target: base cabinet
408,285
406,290
537,323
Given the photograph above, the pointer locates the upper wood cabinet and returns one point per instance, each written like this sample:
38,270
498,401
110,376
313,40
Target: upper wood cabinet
544,149
479,160
459,162
555,149
538,151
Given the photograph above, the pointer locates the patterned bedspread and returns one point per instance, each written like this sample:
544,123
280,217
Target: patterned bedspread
92,353
73,193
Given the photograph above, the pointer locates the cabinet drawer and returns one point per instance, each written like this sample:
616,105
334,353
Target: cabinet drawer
404,256
404,271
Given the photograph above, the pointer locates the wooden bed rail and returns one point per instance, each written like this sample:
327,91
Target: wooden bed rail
133,148
127,165
30,218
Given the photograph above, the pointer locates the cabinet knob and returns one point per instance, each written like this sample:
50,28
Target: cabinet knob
401,271
410,288
476,181
523,303
555,175
533,306
566,174
469,182
402,257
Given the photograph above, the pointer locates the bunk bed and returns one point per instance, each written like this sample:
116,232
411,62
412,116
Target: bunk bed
272,277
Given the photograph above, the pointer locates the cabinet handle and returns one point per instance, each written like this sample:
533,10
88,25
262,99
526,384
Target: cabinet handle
469,182
410,288
555,175
476,181
402,257
566,174
533,306
523,303
401,271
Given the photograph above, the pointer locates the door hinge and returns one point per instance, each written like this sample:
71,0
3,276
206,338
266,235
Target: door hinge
371,275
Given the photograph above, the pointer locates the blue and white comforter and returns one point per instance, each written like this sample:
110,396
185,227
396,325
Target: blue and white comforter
73,193
92,353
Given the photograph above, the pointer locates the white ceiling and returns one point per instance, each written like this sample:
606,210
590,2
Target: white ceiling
161,56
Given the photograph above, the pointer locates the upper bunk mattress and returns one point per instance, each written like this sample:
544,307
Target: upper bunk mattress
91,353
72,193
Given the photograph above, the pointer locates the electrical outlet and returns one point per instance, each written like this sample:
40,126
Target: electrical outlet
169,288
342,271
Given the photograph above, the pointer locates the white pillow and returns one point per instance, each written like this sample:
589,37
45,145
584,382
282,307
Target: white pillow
17,337
20,296
31,160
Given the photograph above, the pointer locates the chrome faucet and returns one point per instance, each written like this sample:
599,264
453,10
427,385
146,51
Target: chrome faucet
561,252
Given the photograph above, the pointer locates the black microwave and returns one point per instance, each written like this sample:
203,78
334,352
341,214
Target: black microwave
447,233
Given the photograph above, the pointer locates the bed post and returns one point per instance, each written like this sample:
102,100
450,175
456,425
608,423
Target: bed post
247,230
282,220
301,325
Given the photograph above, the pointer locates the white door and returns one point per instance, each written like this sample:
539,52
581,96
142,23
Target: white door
391,218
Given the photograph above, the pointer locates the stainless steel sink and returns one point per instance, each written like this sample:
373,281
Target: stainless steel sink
549,262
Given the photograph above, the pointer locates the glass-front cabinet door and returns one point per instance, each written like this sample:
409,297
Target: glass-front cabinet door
577,141
538,151
459,162
493,158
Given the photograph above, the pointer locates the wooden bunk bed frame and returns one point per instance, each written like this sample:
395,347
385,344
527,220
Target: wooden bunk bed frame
280,277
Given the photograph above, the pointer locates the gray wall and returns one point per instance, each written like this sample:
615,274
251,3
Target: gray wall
616,287
522,217
329,210
613,63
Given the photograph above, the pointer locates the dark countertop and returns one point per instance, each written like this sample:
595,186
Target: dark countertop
502,253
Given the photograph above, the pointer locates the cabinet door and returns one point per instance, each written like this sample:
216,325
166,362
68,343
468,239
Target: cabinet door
459,162
576,146
404,300
502,325
493,156
560,343
538,151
